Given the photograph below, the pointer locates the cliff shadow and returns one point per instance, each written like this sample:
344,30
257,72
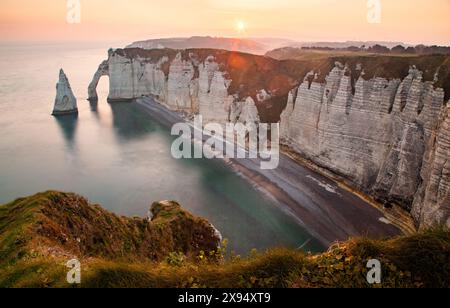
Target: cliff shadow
131,122
68,125
93,106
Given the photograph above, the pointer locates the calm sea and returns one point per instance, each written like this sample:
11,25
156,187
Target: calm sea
117,155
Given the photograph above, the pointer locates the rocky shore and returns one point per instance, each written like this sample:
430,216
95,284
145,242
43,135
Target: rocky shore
379,123
327,211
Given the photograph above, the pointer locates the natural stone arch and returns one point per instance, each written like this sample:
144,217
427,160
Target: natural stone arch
103,70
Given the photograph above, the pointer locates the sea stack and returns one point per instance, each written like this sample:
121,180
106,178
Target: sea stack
65,102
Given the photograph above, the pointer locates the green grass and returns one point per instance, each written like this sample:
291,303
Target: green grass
420,260
417,261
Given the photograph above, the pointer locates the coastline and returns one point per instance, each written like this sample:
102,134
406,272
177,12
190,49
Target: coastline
327,210
398,216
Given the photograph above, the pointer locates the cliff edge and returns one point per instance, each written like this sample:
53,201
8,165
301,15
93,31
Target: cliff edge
54,224
172,248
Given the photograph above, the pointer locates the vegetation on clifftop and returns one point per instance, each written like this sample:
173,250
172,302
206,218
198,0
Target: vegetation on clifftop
282,70
39,234
435,67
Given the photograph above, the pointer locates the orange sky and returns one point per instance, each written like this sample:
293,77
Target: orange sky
410,21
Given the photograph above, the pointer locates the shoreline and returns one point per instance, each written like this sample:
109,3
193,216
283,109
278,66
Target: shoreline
398,216
324,207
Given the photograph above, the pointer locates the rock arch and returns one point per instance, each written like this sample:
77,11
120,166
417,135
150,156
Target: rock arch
103,70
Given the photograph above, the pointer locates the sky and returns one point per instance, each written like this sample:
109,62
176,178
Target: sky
409,21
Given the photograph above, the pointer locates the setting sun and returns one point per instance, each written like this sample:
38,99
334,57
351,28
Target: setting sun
241,26
292,19
224,145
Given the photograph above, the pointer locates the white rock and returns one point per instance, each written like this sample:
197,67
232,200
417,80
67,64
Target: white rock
180,84
65,102
390,138
382,138
103,70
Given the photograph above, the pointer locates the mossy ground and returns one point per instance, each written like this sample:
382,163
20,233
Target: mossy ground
30,260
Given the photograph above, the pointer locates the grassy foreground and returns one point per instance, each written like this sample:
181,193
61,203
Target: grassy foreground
39,234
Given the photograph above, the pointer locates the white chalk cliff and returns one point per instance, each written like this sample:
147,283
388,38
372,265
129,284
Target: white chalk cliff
382,138
389,137
65,102
181,84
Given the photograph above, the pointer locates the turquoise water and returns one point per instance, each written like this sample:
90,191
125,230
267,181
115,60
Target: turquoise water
117,155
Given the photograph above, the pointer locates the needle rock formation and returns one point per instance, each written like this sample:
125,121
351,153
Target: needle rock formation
65,102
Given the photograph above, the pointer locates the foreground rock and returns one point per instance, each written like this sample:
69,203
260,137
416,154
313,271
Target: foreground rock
65,102
41,233
63,224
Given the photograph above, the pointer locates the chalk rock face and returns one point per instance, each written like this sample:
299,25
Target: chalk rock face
432,204
65,102
182,86
249,112
388,137
214,101
181,83
103,70
379,135
130,78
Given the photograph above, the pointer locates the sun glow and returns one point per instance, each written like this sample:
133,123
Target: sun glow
138,20
241,26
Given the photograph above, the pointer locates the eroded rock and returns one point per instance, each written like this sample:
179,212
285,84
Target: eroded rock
386,135
65,102
381,137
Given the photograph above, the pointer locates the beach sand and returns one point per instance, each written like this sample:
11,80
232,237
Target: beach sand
324,208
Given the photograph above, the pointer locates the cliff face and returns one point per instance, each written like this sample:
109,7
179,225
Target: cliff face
388,136
432,202
379,134
217,84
